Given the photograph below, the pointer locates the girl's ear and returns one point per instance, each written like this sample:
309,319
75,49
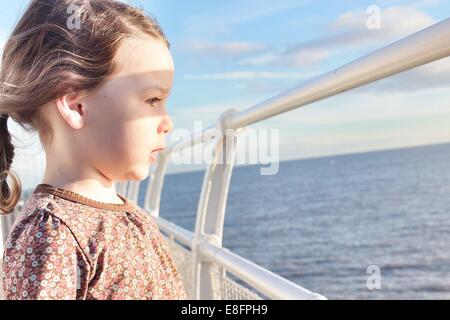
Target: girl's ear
71,110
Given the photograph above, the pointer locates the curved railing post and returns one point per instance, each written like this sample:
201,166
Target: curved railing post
155,185
212,205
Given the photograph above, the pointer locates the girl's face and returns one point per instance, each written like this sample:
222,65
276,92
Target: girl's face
126,117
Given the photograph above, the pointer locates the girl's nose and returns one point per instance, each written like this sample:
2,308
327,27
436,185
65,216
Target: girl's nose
166,125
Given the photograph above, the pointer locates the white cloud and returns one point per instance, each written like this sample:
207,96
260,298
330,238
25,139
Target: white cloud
226,49
295,58
396,21
348,31
249,75
352,34
261,59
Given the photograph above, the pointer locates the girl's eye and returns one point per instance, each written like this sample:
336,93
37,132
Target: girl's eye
153,101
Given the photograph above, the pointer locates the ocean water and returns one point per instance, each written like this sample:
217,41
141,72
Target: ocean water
323,222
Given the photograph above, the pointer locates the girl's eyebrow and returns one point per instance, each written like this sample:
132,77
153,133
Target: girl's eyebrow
162,89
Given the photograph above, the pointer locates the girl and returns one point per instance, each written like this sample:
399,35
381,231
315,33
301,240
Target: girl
92,78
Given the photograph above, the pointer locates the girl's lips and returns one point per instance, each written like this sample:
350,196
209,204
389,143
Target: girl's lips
153,154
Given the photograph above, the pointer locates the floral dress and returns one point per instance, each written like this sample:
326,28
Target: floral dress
67,246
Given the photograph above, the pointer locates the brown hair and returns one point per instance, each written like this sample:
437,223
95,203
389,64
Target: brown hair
58,47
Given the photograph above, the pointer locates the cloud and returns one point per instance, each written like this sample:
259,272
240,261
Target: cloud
292,58
352,34
248,75
256,82
235,49
348,31
396,21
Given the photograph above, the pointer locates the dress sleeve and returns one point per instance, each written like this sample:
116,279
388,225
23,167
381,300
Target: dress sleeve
42,260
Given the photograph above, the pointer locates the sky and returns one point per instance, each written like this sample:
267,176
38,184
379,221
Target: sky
236,54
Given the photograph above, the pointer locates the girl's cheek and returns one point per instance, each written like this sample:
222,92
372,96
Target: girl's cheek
133,137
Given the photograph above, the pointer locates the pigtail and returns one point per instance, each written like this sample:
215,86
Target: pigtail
9,195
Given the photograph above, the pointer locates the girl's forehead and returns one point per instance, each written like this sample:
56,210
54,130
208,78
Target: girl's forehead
143,54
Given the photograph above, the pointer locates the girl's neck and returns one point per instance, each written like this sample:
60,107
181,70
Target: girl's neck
89,188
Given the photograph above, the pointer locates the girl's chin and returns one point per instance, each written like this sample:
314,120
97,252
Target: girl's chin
140,172
142,175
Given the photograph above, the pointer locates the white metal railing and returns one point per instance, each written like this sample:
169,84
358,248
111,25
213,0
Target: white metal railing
205,262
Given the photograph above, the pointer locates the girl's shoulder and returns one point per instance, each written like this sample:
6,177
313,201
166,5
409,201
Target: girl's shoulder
42,256
80,220
42,223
